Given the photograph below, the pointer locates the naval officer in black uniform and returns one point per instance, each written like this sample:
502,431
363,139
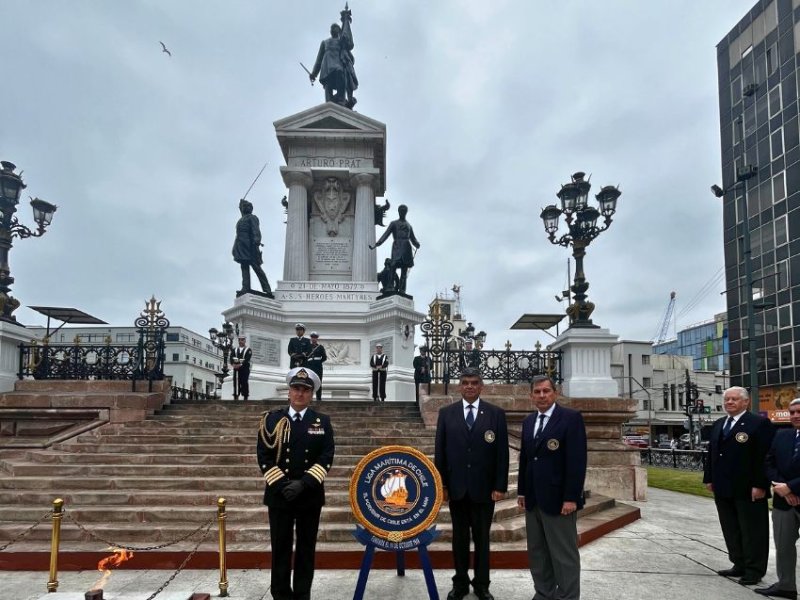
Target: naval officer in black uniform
299,347
295,452
736,473
472,458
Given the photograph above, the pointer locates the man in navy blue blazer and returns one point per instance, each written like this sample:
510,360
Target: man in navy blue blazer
552,470
783,470
472,458
735,472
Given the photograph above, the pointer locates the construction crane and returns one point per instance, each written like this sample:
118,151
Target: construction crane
661,334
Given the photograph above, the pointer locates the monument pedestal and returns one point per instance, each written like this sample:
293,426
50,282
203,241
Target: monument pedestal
350,322
11,336
586,362
335,168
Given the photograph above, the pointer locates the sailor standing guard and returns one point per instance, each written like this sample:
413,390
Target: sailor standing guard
317,356
299,347
240,360
379,362
295,452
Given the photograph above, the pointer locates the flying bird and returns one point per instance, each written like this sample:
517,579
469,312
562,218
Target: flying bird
164,48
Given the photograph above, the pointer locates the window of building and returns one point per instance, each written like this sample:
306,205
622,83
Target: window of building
775,104
172,337
645,404
738,130
184,337
779,187
196,343
194,359
187,358
785,316
772,59
776,143
747,50
736,90
787,355
645,359
126,337
176,357
781,231
647,382
782,275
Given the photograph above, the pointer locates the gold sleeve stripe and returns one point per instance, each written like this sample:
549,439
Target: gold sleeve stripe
317,472
273,475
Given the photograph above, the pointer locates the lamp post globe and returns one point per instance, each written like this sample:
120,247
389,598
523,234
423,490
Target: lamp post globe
582,227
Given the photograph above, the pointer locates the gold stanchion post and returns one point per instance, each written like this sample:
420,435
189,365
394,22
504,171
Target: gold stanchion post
58,505
223,570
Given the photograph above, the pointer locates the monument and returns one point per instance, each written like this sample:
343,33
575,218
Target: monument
335,169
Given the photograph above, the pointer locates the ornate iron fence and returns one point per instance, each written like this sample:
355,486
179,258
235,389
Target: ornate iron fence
179,393
504,366
496,366
685,460
143,361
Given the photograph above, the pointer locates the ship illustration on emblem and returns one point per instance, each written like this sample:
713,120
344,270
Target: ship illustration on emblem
395,493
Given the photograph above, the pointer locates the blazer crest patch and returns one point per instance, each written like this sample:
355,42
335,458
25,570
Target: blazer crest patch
552,444
742,437
489,436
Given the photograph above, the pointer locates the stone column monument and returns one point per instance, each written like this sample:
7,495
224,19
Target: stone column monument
335,168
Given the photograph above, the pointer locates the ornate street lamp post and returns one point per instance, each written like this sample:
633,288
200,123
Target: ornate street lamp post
11,186
583,228
224,340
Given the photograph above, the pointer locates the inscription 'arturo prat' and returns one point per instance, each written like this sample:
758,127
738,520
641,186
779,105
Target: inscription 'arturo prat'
331,163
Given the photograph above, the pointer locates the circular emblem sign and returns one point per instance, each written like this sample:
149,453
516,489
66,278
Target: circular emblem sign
395,492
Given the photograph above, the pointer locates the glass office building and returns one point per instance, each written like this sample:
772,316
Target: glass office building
758,100
706,343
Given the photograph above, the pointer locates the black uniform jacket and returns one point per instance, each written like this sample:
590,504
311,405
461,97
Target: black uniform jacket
735,463
303,452
316,356
783,466
552,469
299,347
472,463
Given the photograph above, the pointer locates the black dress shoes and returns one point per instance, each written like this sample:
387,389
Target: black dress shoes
775,592
457,594
746,580
734,572
484,595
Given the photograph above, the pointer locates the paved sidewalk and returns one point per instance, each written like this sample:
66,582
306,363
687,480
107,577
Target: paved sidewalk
672,552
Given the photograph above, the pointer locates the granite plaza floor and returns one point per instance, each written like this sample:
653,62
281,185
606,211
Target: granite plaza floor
672,552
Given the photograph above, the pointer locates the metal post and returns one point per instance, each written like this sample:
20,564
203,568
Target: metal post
58,505
223,570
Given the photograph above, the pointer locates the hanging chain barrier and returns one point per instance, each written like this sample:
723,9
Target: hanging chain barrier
96,537
186,560
24,533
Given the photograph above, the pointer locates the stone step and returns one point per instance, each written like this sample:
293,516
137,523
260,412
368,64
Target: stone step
366,430
121,447
250,439
248,533
238,515
40,499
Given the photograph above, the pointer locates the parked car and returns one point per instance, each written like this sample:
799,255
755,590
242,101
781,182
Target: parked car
635,442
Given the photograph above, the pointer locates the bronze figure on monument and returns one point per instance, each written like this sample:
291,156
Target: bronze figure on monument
402,254
334,64
247,250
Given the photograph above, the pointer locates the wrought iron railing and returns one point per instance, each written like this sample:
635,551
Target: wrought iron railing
504,366
179,393
142,361
685,460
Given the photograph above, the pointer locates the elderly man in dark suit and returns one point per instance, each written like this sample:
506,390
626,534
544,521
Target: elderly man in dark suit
552,470
735,472
783,470
472,458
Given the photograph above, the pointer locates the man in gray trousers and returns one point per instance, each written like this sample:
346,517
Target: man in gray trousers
783,470
552,470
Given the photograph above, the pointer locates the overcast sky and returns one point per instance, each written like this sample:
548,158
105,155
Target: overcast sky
489,107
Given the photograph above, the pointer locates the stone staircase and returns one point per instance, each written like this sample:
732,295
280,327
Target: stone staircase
148,482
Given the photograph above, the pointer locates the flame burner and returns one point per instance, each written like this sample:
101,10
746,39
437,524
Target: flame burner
93,595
